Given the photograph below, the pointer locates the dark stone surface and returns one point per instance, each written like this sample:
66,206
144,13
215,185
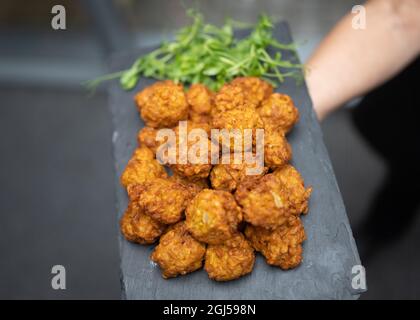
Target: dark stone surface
329,252
56,194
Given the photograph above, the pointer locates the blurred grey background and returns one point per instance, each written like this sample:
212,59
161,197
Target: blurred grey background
56,172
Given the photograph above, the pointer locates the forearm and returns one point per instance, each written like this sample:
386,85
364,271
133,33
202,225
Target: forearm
350,62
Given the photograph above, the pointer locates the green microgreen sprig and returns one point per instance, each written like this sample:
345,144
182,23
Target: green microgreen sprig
211,55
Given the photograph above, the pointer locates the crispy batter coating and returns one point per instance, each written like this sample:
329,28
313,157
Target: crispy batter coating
256,89
281,247
213,216
201,101
200,98
144,95
143,154
278,112
147,138
202,166
264,201
230,260
194,186
162,199
298,196
165,105
230,97
197,125
138,227
178,253
277,151
228,176
142,167
237,120
202,119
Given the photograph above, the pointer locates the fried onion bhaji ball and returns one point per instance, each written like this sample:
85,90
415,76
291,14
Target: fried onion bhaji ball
200,99
264,201
277,150
228,176
138,227
144,95
164,106
142,167
238,119
278,112
281,247
230,260
213,216
178,253
200,169
162,199
230,97
298,194
256,89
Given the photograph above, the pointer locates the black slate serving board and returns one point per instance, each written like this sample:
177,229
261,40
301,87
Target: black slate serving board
329,251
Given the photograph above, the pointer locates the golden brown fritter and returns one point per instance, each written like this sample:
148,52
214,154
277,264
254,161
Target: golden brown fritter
228,176
178,253
194,187
213,216
165,105
230,97
238,120
256,89
298,196
192,171
138,227
230,260
277,151
201,101
264,201
282,246
162,199
200,98
278,112
188,169
144,95
147,138
142,167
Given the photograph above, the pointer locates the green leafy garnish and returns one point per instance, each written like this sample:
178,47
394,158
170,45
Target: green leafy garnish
211,55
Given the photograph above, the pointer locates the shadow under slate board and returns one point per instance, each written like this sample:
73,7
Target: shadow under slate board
329,251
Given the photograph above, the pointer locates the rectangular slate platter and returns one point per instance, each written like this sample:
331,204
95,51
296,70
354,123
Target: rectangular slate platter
329,251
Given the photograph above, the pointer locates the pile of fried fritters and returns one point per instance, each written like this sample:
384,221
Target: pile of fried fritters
216,214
